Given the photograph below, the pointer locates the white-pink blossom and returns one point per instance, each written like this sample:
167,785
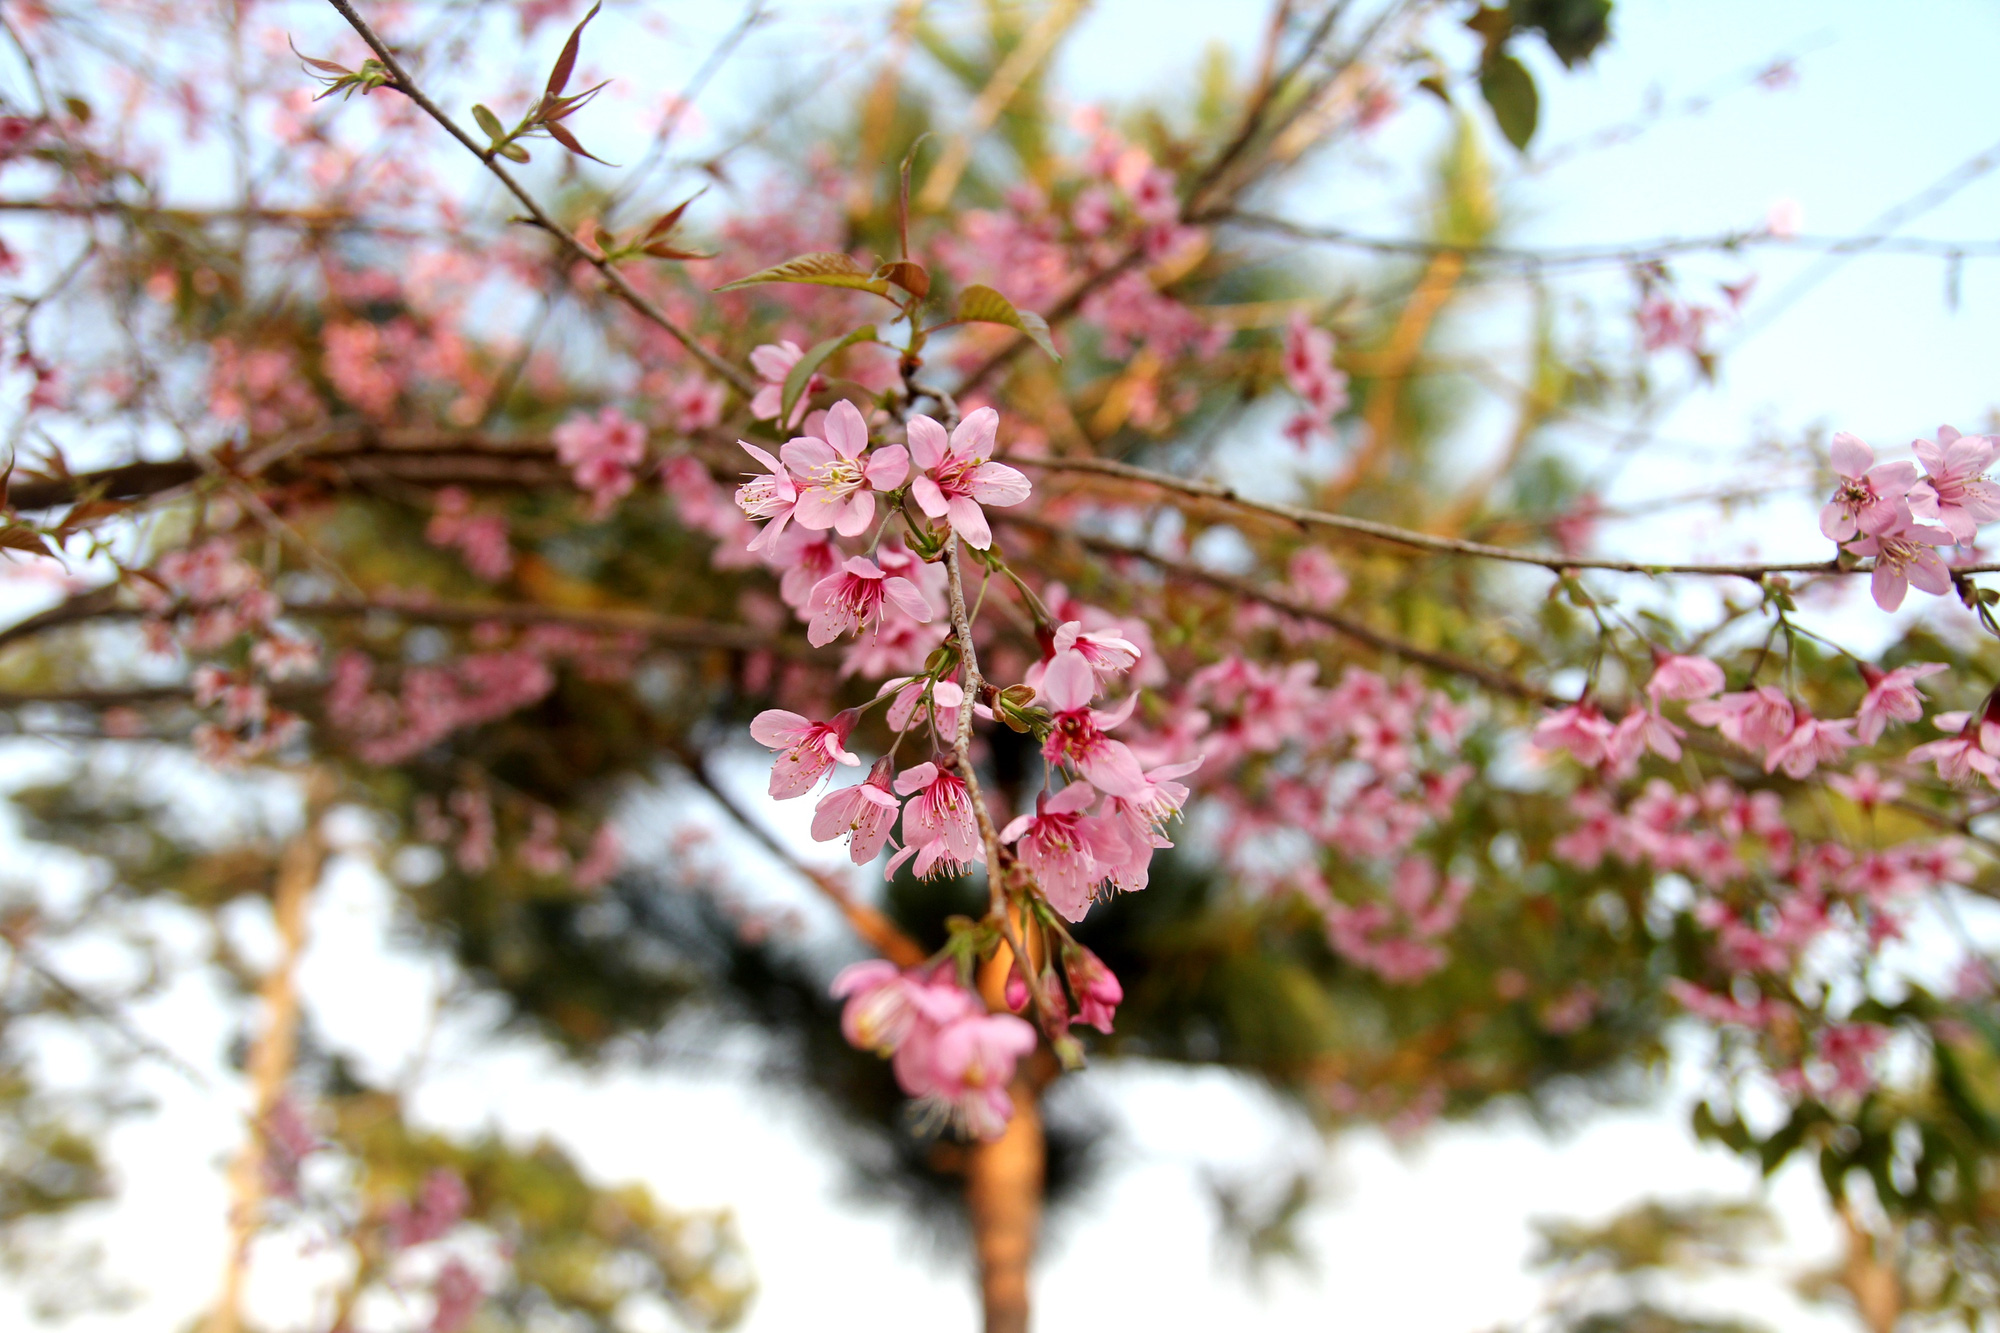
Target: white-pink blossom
863,814
1078,737
836,485
854,598
939,827
955,476
806,749
1891,695
1955,493
1869,498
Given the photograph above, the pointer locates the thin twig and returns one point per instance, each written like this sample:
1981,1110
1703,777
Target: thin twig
1424,541
881,934
616,280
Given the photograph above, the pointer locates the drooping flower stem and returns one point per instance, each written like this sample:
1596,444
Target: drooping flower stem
989,833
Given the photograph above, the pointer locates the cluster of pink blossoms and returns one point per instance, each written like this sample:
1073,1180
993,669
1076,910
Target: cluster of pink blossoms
481,539
603,454
947,1050
824,486
1887,511
1095,826
1310,372
209,601
1770,902
1762,720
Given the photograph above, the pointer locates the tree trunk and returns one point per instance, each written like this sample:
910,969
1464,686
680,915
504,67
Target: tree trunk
271,1055
1003,1194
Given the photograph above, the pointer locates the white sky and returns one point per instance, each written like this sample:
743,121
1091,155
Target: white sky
1423,1239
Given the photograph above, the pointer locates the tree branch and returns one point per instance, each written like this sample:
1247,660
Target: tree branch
626,292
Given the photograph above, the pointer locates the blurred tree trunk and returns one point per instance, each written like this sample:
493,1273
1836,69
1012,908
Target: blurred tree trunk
272,1054
1003,1194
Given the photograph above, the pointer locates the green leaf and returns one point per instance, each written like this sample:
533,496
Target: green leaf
489,123
1574,29
809,364
982,305
817,270
1510,90
513,152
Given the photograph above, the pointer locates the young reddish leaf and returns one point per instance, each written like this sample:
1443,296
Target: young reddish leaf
23,539
606,239
670,219
568,140
90,511
664,250
325,66
808,365
982,305
566,62
908,274
819,270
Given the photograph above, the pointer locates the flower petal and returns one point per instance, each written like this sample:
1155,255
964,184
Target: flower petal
845,430
928,442
887,467
968,520
778,729
807,452
1068,683
974,437
1850,455
928,497
997,484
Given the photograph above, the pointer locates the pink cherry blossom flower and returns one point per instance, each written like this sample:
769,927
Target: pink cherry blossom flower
880,1010
774,496
696,405
939,827
458,1294
1865,787
909,706
1077,737
854,599
1904,555
1641,730
1098,993
1060,847
807,749
1310,373
1754,719
1678,677
1869,498
1891,695
973,1061
1812,742
1959,757
773,362
863,814
836,487
955,477
1107,653
602,453
1580,729
1157,803
802,557
1954,493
